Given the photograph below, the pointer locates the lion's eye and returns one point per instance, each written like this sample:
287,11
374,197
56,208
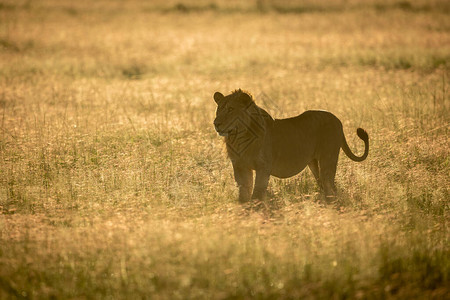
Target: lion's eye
230,109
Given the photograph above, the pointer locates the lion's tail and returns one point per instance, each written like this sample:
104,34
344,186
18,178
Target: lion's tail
362,135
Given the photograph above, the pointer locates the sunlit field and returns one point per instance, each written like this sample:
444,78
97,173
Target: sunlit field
114,183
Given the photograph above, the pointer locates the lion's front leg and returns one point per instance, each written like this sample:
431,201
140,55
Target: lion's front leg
261,183
244,180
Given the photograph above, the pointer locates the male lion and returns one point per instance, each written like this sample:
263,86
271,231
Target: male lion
279,147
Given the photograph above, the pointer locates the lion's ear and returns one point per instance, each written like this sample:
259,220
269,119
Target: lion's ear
218,97
247,98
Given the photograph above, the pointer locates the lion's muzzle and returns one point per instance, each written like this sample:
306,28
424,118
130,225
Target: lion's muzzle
222,132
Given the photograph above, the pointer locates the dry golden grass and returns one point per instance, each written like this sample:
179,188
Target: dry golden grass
114,184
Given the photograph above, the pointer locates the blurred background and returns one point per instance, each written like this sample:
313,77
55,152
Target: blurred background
114,184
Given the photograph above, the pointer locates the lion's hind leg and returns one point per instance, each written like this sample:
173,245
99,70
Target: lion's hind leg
314,167
327,167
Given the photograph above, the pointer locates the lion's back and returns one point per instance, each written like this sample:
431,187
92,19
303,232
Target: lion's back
308,125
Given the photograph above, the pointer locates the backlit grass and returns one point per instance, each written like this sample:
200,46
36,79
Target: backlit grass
114,184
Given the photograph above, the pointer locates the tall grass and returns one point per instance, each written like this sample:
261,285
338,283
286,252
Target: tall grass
114,184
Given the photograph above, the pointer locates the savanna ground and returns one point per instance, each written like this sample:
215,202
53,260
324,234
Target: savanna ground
114,184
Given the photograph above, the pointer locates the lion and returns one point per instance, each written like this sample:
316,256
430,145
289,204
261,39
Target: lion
280,147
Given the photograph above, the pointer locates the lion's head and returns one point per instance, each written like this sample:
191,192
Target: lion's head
233,112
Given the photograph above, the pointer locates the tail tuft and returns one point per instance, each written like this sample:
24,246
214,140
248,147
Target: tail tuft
362,134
